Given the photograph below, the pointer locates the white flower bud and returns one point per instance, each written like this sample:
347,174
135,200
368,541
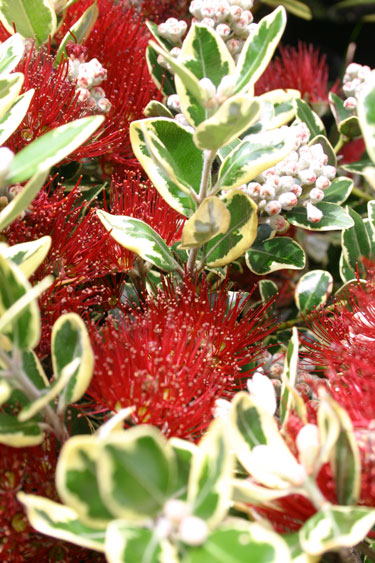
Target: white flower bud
176,510
173,102
314,214
234,46
307,176
225,88
246,4
6,159
163,528
193,531
329,171
175,52
235,13
223,30
222,408
273,207
253,190
296,190
350,103
308,445
208,88
261,387
322,182
267,191
248,16
316,195
288,200
286,183
279,224
195,8
352,70
208,22
222,10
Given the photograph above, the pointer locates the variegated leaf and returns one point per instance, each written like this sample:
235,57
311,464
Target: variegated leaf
284,105
241,233
334,218
19,434
14,116
313,290
211,218
11,52
28,255
289,376
36,19
79,31
266,256
10,87
356,243
137,236
306,115
339,190
366,114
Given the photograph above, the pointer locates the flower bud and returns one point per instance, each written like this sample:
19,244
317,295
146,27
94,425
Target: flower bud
350,103
273,207
329,171
223,30
193,531
222,408
288,200
6,159
195,8
322,182
176,510
314,214
225,88
260,386
316,195
352,70
173,102
308,445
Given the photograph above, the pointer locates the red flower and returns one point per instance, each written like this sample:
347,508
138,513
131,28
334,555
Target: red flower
301,68
174,357
31,470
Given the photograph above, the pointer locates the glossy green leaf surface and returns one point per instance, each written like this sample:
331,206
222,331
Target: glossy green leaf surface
334,218
275,254
313,290
31,18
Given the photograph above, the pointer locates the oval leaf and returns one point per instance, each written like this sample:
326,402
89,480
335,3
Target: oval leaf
137,236
334,218
313,290
10,87
15,114
211,218
275,254
339,190
366,114
36,19
19,434
28,255
11,52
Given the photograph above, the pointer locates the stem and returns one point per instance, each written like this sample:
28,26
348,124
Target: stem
340,143
32,393
314,494
362,194
209,157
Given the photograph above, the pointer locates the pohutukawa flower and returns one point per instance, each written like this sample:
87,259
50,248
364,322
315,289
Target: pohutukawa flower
174,358
302,68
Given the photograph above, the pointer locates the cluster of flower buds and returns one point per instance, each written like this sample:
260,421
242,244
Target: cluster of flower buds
178,521
173,30
354,78
87,75
231,19
298,179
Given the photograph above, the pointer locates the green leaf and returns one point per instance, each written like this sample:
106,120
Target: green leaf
352,4
10,87
310,118
289,377
28,255
233,117
350,127
22,200
205,55
238,542
35,19
161,76
313,290
137,236
136,472
19,434
211,218
295,7
15,114
11,52
336,527
252,156
227,247
346,273
267,289
258,50
339,190
70,344
53,519
157,109
275,254
174,164
79,31
77,483
183,452
51,148
356,243
23,330
327,148
366,115
334,218
209,489
358,167
339,111
126,543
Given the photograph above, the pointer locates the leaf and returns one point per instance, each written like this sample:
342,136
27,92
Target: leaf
157,109
34,370
327,148
233,117
137,236
358,167
28,255
173,163
240,541
336,527
205,55
284,106
334,218
211,218
51,148
350,127
306,115
14,116
36,19
356,243
183,452
19,434
339,190
258,50
11,52
127,543
10,87
267,290
366,114
76,480
227,247
313,290
22,199
275,254
252,156
295,7
246,491
154,30
136,472
209,489
161,76
79,31
346,273
53,519
339,111
23,330
289,377
70,344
